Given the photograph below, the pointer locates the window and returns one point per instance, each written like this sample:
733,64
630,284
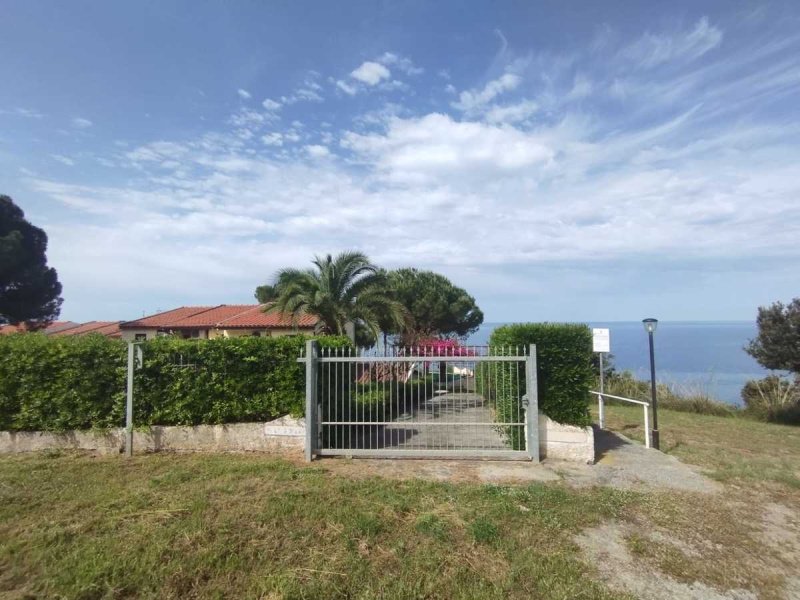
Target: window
256,334
140,337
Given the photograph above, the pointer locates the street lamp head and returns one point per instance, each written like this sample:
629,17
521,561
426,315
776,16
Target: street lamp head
650,325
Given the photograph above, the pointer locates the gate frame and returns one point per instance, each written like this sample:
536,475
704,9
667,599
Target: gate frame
530,403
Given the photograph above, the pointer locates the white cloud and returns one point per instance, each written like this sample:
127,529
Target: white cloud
472,101
401,63
243,94
504,185
653,49
81,123
434,147
512,113
371,73
271,105
581,88
346,87
272,139
64,160
317,151
309,91
291,136
28,113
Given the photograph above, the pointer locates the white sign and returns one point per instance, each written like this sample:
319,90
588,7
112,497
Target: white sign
601,340
285,430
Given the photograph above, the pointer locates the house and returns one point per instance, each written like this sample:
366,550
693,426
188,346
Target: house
224,320
107,328
53,327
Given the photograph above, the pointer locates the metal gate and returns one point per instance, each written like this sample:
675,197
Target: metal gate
422,402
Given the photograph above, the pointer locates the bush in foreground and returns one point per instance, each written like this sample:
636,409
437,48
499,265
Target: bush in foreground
62,383
564,369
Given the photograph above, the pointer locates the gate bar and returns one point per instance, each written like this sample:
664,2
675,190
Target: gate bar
532,414
311,391
419,358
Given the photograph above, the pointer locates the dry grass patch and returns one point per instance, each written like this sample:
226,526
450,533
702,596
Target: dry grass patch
191,526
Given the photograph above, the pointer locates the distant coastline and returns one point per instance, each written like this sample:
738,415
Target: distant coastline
690,355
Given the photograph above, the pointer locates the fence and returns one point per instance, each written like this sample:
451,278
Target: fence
644,405
462,402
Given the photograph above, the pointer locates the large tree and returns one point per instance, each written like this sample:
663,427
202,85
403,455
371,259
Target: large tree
436,306
29,290
341,290
777,345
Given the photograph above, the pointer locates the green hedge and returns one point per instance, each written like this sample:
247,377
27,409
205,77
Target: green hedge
564,368
61,383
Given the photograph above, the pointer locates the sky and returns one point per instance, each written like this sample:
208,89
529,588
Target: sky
564,161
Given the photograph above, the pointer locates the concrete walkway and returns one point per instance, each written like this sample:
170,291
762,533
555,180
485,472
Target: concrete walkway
446,422
621,464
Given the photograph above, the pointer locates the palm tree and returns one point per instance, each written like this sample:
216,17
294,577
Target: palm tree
341,290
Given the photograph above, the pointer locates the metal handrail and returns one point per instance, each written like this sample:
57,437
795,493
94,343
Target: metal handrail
644,405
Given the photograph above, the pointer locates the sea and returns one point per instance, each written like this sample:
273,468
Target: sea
691,356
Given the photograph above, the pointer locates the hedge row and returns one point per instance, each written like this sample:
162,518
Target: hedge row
62,383
564,370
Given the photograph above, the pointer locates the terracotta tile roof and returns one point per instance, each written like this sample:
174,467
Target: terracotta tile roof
211,317
167,318
223,316
256,318
52,328
107,328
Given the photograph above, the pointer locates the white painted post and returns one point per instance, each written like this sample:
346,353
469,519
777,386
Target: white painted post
129,404
532,414
601,411
311,400
646,425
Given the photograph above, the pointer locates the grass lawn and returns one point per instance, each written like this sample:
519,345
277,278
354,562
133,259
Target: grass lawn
731,449
184,526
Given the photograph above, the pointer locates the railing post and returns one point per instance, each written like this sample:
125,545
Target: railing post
600,403
532,414
129,403
601,411
312,349
646,425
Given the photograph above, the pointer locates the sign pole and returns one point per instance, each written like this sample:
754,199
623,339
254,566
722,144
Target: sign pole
601,343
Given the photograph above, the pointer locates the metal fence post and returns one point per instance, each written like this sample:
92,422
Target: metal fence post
312,349
129,404
532,414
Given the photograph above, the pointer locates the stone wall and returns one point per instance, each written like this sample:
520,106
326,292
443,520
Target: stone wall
556,441
565,442
280,435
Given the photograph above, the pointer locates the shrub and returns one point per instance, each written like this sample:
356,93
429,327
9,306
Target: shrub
60,383
773,398
564,372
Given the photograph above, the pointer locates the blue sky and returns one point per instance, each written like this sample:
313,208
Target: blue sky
560,160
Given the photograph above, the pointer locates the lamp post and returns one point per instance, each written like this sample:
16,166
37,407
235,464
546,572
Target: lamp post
650,327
